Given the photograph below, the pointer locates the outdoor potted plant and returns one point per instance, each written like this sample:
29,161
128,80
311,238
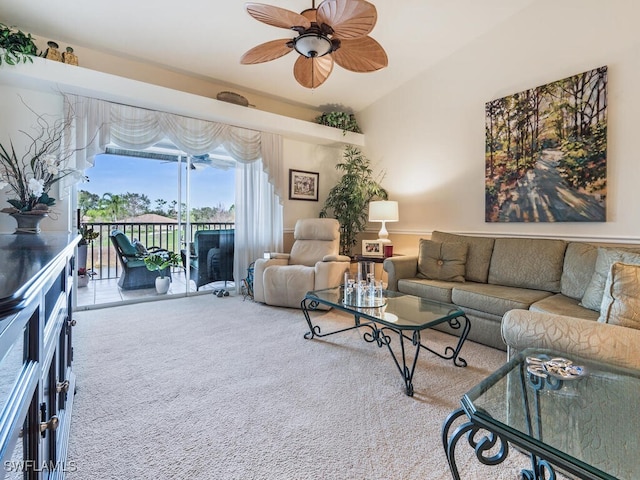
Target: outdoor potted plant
159,262
348,200
84,276
88,236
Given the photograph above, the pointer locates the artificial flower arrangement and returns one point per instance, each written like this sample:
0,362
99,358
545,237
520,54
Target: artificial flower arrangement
30,177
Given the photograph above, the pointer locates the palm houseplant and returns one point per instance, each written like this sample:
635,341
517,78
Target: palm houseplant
160,262
348,200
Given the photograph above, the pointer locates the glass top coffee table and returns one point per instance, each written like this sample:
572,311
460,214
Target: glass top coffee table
403,315
581,417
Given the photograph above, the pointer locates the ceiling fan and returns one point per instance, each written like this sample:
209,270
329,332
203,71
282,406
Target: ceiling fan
337,31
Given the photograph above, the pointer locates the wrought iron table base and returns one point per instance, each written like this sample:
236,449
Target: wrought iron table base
379,335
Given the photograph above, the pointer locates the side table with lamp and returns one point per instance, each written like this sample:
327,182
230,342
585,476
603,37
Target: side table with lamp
377,250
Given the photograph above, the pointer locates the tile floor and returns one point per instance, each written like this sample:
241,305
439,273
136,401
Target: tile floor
106,292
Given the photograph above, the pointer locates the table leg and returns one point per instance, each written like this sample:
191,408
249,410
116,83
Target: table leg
450,353
481,446
314,330
379,336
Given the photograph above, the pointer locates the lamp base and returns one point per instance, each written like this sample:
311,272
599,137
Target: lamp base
384,240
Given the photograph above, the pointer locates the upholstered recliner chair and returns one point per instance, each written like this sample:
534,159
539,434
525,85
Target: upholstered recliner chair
314,263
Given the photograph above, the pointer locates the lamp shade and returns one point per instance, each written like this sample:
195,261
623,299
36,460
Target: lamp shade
383,211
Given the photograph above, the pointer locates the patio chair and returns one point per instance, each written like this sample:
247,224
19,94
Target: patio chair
135,273
211,257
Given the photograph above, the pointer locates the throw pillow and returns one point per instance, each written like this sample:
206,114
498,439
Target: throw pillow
140,248
592,298
621,300
442,261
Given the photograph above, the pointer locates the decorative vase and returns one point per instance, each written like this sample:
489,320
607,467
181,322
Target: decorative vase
28,222
83,280
162,284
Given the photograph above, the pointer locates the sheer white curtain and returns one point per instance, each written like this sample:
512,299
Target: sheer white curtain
259,185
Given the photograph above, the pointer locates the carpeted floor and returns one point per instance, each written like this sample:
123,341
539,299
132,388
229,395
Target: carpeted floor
220,388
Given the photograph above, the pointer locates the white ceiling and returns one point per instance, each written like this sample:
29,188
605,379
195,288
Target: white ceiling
206,38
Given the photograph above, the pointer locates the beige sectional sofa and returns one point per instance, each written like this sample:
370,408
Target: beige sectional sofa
546,281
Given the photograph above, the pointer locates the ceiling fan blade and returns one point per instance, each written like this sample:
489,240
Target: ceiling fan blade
348,18
276,16
267,51
312,72
361,55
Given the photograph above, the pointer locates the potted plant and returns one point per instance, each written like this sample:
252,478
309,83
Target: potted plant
345,121
348,200
88,236
18,46
159,262
84,276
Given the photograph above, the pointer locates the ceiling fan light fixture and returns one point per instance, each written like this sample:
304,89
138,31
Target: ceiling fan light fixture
313,45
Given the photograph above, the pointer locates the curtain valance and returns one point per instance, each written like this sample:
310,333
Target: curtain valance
98,123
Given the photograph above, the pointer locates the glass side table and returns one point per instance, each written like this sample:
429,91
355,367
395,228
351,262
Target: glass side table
585,424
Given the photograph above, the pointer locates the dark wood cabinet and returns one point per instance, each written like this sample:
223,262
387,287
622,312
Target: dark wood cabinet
36,352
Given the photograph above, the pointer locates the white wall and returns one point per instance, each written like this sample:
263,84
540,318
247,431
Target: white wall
15,117
429,134
311,158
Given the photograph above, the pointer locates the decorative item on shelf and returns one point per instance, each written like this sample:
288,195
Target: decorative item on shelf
52,53
347,201
235,98
69,57
30,177
383,211
19,47
342,120
159,262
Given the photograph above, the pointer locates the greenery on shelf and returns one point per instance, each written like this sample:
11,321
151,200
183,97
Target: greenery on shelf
348,201
18,46
157,262
342,120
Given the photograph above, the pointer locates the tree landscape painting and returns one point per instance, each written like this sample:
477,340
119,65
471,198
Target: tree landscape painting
546,152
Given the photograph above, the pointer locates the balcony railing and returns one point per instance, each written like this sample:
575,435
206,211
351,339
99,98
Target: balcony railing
102,259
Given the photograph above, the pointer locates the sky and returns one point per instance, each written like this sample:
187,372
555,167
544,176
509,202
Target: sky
158,180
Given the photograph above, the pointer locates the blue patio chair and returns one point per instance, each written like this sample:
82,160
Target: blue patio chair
135,273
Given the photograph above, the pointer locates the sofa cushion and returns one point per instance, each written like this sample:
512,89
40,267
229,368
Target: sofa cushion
527,263
621,300
560,304
494,299
478,253
436,290
592,298
579,265
441,261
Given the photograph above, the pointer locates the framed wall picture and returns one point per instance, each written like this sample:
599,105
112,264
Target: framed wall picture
372,248
303,185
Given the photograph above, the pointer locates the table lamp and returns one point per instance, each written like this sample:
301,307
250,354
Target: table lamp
383,211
